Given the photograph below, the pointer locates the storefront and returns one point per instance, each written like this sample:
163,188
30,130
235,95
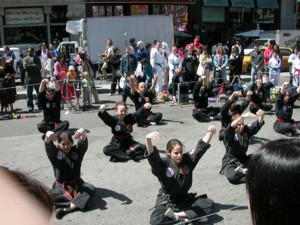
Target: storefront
213,20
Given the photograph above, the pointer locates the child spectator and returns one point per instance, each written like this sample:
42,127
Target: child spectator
71,91
147,73
86,90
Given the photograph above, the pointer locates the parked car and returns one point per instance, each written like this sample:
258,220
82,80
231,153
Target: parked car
17,52
284,51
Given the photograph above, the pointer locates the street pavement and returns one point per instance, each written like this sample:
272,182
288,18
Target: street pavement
127,191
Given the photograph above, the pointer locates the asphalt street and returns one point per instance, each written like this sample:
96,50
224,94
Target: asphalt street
127,191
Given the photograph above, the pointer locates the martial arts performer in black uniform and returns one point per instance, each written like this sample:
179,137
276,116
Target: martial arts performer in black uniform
49,100
201,112
175,173
69,190
122,147
260,91
230,108
284,123
140,95
236,141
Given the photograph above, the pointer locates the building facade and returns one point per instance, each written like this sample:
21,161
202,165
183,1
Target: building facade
30,21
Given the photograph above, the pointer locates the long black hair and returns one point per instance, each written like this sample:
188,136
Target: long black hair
273,183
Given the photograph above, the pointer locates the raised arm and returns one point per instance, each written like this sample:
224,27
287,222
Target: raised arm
80,134
42,85
149,138
50,137
211,130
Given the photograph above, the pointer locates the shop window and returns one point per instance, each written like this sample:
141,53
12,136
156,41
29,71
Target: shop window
109,10
240,20
98,10
57,34
264,16
139,10
179,12
58,14
23,35
118,10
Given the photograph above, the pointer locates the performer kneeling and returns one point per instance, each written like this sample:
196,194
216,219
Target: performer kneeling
175,173
236,141
69,190
50,100
122,147
140,95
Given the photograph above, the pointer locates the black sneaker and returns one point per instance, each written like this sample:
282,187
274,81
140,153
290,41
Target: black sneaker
30,109
60,213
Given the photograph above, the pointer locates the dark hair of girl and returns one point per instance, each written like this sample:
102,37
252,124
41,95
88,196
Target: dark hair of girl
65,135
273,183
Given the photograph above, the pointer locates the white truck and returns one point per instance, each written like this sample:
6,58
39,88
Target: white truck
284,38
92,33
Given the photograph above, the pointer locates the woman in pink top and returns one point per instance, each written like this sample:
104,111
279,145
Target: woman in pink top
267,54
60,68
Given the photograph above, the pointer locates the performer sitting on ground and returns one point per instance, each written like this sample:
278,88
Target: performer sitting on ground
201,112
175,173
230,108
49,100
260,92
284,105
236,141
140,95
122,146
69,190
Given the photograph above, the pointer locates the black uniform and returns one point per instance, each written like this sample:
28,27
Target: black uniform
189,66
51,112
226,114
139,100
202,112
114,61
284,112
176,180
122,146
236,145
69,187
259,96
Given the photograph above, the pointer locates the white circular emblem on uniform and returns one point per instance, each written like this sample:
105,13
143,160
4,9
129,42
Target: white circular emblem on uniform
170,172
117,128
60,155
47,105
284,108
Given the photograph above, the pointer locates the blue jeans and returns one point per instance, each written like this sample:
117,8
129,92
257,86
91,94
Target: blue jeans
253,73
30,88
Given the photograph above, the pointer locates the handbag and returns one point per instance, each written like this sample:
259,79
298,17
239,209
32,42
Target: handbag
122,82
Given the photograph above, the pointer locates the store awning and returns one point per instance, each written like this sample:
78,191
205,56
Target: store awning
242,3
267,4
221,3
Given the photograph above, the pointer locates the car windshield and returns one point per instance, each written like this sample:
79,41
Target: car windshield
261,42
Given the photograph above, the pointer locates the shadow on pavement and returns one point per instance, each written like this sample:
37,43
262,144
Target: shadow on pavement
98,202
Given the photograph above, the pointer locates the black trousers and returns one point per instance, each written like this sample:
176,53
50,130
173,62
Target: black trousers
254,108
281,128
43,127
203,115
193,208
125,149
